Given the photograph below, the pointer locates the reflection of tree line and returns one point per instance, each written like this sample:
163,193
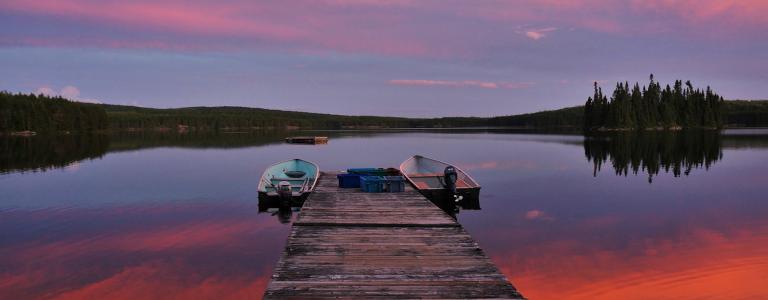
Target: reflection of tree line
43,152
143,140
39,153
676,152
672,151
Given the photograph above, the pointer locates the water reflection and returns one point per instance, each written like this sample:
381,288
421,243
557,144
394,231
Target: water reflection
453,208
676,152
44,152
282,210
188,250
40,153
176,216
199,140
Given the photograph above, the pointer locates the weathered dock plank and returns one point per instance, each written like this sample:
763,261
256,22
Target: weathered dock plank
347,244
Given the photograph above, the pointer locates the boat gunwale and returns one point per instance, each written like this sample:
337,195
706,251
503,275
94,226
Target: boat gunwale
301,193
476,185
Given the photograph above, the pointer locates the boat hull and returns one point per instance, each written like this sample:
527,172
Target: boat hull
301,185
426,176
443,195
268,201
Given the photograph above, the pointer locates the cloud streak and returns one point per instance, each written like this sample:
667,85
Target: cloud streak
460,84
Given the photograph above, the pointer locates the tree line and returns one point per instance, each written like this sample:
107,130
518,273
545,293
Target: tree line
672,107
647,107
744,113
40,113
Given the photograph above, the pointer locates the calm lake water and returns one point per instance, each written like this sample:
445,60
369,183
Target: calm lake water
627,216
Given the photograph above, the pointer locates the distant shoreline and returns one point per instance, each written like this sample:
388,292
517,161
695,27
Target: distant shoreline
563,130
27,114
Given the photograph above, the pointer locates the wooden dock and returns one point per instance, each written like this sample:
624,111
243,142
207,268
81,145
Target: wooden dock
354,245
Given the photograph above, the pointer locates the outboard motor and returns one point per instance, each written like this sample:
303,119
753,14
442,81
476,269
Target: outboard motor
284,193
451,176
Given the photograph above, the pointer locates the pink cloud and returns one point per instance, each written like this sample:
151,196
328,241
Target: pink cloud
743,11
371,2
177,17
462,83
537,34
309,27
67,92
427,28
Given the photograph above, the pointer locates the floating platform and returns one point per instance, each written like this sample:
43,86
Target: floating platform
307,140
353,245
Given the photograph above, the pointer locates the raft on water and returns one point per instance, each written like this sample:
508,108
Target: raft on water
307,140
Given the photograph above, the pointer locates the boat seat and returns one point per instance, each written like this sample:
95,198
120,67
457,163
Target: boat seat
295,174
286,179
462,184
459,184
421,185
426,175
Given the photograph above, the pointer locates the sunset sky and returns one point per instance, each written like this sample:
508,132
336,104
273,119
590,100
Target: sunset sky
400,57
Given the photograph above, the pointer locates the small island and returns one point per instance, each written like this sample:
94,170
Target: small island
654,108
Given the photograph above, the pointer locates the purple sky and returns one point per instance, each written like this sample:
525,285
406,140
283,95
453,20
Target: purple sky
400,57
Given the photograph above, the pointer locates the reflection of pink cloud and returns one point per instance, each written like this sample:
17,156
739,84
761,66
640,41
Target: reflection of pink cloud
177,237
161,280
499,165
536,214
463,83
533,214
688,262
177,253
732,268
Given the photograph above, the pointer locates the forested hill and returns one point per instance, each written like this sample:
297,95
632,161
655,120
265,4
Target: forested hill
38,113
231,117
745,113
20,112
737,113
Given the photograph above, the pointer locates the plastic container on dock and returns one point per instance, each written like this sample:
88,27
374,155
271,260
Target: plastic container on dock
347,180
394,184
365,171
372,184
374,171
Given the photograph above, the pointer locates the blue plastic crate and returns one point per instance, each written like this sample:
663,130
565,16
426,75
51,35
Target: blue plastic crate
372,184
394,184
347,181
366,171
374,171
